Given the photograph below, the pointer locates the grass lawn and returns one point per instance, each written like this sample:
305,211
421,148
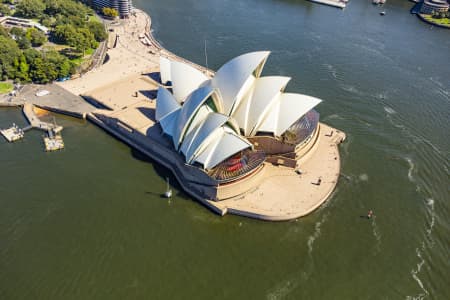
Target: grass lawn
5,87
94,18
89,52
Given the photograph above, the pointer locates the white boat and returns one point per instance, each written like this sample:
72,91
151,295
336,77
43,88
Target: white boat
42,93
168,192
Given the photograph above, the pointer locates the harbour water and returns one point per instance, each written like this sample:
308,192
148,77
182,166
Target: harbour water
90,222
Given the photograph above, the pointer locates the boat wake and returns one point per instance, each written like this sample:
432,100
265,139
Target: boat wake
351,89
287,286
332,70
440,89
332,117
410,169
363,177
389,110
377,235
283,289
419,250
316,233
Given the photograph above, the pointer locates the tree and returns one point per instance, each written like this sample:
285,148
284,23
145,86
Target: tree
98,30
64,33
110,12
23,68
38,72
83,40
3,31
36,37
4,10
61,64
20,36
9,55
30,8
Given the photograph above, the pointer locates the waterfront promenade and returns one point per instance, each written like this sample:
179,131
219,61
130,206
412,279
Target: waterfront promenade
334,3
125,87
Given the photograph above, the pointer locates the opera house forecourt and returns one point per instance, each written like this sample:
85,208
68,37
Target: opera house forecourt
235,140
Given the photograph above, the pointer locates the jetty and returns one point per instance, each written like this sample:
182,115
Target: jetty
53,141
12,134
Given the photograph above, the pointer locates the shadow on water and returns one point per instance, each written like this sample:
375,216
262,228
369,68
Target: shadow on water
162,172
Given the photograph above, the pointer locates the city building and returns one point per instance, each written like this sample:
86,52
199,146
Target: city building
9,22
122,6
434,6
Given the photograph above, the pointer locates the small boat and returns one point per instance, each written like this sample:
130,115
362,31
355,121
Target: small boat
382,13
168,192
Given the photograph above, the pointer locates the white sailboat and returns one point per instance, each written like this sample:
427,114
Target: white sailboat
168,192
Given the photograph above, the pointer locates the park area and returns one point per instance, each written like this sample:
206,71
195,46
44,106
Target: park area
5,87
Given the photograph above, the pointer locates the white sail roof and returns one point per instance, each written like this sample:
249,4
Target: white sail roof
185,79
166,103
225,144
292,108
255,107
287,110
188,112
168,123
206,127
199,136
232,77
164,67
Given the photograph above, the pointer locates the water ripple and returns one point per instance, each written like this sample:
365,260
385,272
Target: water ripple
419,250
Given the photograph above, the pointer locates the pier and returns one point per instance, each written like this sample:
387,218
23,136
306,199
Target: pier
13,133
52,140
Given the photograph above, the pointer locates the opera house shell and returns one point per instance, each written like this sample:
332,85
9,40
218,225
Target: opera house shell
212,121
234,139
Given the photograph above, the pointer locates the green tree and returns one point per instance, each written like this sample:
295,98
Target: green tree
4,10
64,33
83,40
9,57
98,30
20,36
23,69
110,12
3,31
38,72
31,55
36,37
61,64
30,8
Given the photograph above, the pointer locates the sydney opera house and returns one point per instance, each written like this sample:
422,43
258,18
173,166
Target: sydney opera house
227,125
236,141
